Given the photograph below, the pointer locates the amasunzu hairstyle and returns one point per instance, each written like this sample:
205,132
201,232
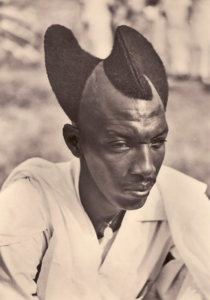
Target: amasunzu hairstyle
132,60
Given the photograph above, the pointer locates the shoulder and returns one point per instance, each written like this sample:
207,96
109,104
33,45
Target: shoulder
24,202
20,195
171,179
38,169
182,194
183,197
32,193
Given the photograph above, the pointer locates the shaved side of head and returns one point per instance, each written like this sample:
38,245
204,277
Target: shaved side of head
100,97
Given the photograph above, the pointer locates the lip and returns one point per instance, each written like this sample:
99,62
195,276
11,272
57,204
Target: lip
139,192
140,187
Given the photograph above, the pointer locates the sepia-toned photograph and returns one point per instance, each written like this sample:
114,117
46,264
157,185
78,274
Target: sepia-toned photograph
105,150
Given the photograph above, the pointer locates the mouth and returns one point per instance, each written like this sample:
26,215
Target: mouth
141,191
139,194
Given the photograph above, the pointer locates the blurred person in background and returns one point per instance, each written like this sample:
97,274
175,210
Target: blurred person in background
153,12
131,13
96,19
200,41
100,226
177,30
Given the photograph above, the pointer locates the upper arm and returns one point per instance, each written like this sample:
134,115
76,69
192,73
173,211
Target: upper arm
20,212
23,240
18,267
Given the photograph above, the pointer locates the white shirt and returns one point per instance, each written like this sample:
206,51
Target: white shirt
43,215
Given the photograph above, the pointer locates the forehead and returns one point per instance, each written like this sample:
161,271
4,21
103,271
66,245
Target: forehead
137,119
129,109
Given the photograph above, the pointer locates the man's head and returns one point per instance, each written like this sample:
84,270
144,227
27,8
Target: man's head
120,126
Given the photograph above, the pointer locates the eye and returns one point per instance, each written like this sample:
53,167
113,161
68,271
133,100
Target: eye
119,146
158,143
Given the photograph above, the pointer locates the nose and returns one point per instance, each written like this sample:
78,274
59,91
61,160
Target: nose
142,163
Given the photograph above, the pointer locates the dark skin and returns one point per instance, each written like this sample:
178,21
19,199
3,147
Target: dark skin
121,149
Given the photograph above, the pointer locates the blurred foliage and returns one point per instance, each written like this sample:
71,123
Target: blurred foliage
20,34
23,23
30,120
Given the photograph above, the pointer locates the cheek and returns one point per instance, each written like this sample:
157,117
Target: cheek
102,168
100,161
106,171
104,176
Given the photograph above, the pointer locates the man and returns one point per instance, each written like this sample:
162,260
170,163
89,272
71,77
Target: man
99,227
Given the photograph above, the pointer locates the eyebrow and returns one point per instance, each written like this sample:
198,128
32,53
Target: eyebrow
127,133
161,133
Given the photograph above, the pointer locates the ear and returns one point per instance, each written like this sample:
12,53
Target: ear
71,137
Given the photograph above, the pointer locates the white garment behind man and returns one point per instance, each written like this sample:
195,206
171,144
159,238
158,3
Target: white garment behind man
178,37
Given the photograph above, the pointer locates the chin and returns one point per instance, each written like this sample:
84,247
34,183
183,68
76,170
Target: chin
132,204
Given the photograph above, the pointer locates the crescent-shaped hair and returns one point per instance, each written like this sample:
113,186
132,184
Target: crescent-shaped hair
132,60
68,67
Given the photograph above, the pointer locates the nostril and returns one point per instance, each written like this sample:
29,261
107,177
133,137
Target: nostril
145,170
